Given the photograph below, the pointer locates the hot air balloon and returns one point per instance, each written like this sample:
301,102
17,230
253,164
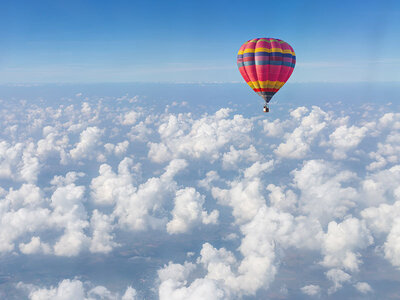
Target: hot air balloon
266,64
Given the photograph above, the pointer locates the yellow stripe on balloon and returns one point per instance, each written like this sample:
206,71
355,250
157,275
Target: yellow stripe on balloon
269,50
254,84
266,84
250,83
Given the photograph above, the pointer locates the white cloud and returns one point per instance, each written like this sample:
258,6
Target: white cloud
199,289
89,139
345,138
363,287
140,132
338,277
34,246
273,128
108,186
231,159
281,199
29,166
389,120
244,197
381,219
211,176
69,178
9,158
27,195
297,144
382,186
173,284
324,191
21,213
311,290
188,211
299,112
121,148
68,289
130,117
19,162
130,294
53,142
387,152
102,240
392,245
118,149
134,207
341,242
69,213
182,136
257,168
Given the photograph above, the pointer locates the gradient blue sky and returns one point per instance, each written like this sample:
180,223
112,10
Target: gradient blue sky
193,41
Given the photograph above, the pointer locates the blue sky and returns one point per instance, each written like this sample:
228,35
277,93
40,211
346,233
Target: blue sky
113,187
193,41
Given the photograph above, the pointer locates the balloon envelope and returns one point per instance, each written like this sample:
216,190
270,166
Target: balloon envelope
266,64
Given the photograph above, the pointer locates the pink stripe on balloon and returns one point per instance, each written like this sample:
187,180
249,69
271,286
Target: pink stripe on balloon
251,70
242,71
285,73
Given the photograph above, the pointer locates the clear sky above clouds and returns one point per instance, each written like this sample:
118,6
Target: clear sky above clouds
186,41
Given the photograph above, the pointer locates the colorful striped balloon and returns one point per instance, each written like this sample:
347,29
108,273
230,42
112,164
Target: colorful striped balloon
266,64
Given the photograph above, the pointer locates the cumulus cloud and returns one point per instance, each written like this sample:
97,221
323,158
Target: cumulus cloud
387,152
345,138
233,157
285,200
338,277
244,196
107,187
206,182
89,139
130,117
392,245
341,242
118,149
297,143
74,289
182,136
102,227
363,287
324,190
135,208
19,162
382,186
21,213
69,213
53,141
9,158
311,290
188,211
34,246
273,128
173,284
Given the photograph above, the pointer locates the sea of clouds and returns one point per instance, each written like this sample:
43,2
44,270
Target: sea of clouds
170,203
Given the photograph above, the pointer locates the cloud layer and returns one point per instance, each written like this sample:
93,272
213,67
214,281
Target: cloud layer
238,198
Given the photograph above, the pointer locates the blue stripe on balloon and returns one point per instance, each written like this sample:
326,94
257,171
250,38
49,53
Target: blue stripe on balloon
265,62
